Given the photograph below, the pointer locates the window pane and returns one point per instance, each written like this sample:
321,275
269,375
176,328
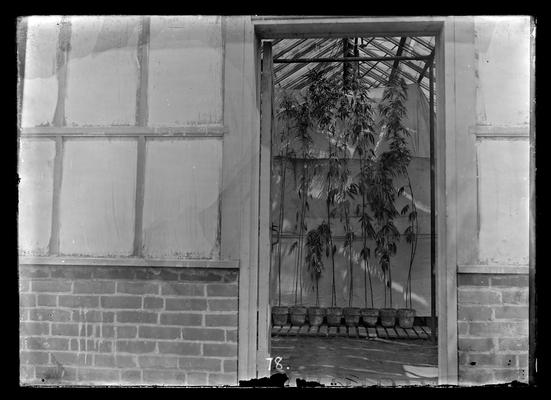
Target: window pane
503,195
181,198
36,170
102,75
185,71
40,81
97,197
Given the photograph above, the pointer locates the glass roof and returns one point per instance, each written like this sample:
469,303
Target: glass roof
375,73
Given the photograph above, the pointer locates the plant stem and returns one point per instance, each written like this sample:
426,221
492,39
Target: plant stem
280,228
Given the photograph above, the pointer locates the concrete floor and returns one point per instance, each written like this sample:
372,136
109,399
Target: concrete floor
356,362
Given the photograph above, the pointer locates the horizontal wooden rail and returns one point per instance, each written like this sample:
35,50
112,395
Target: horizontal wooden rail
131,131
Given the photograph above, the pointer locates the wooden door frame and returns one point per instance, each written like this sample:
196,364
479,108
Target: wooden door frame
251,361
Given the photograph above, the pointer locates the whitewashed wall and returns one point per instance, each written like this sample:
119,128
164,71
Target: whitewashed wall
502,55
99,88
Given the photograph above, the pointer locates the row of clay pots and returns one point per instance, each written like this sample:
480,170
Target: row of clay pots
351,315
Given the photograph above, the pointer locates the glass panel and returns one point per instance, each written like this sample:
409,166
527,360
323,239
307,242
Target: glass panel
36,171
102,76
40,82
182,198
97,197
504,201
185,71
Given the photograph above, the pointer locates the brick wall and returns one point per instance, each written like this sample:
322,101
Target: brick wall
492,328
126,325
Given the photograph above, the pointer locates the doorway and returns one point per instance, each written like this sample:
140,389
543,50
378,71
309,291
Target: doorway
362,347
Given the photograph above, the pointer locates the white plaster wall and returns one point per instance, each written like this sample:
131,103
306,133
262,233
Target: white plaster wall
36,166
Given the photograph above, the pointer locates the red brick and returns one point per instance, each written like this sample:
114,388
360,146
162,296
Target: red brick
113,273
222,290
24,285
197,379
181,319
34,357
99,376
221,320
56,374
200,364
506,375
474,313
223,304
475,376
131,376
121,302
222,379
161,274
94,287
135,346
498,329
54,286
158,362
71,358
93,316
49,314
462,328
476,344
158,332
203,334
231,335
154,377
511,312
126,332
34,328
522,360
137,288
183,289
27,300
33,272
220,350
78,301
515,296
513,344
493,360
26,373
230,365
48,300
186,304
67,329
473,280
478,296
137,316
510,281
71,272
107,331
96,345
47,343
180,348
155,303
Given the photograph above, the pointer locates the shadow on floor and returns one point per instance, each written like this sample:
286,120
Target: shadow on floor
353,362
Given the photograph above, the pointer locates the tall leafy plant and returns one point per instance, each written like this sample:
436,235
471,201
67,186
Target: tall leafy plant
391,164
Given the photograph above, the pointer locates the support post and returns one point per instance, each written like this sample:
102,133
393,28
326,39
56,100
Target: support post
432,208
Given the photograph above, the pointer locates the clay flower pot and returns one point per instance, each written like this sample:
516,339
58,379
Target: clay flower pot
370,316
388,317
298,315
405,316
280,315
315,315
351,316
334,316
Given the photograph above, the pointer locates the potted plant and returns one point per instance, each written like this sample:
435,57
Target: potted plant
314,262
391,164
280,314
